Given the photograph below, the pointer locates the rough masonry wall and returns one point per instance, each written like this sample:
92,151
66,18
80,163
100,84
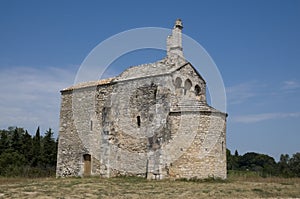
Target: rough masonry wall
80,132
69,144
205,154
134,123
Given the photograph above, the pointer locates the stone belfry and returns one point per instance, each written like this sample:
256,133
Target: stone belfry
174,41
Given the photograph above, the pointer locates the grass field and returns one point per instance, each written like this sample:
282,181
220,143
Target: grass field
130,187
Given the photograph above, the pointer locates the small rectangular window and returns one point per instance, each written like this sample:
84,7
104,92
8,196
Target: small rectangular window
222,146
91,125
138,120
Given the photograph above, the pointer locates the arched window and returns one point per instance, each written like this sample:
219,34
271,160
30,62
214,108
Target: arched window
187,85
178,82
197,90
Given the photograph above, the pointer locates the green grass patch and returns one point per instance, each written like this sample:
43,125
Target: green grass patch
205,180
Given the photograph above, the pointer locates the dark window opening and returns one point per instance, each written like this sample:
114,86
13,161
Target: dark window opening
87,157
197,90
138,120
91,125
222,146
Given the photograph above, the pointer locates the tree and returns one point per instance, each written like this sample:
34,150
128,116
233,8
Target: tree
295,164
232,161
11,163
27,147
36,149
283,166
16,140
49,149
27,156
236,153
261,163
4,141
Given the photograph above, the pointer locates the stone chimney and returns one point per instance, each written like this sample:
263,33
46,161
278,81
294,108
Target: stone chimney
174,42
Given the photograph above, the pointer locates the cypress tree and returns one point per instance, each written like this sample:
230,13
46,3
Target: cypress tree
49,149
36,149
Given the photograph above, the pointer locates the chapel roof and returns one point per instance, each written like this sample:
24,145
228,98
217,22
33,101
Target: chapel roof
161,67
89,84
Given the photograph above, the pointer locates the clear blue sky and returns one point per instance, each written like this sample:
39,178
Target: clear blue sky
255,45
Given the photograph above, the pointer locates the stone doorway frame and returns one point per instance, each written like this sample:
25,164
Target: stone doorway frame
87,165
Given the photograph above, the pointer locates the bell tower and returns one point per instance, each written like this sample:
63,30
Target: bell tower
174,41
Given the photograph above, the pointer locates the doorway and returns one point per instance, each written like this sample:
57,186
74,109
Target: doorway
87,165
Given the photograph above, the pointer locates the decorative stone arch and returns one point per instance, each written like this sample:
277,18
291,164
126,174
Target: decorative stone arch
178,82
197,90
187,85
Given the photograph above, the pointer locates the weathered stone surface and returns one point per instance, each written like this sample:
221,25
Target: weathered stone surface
151,121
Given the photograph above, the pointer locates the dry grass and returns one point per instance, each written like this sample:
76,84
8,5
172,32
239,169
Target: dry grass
236,187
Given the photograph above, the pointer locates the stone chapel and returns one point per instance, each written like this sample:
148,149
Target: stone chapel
151,121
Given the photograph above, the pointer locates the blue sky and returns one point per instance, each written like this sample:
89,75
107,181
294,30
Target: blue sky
255,45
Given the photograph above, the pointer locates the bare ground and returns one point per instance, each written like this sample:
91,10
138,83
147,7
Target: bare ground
141,188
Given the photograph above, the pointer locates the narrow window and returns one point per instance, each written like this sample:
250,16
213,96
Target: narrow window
91,125
178,82
138,120
222,146
187,86
197,90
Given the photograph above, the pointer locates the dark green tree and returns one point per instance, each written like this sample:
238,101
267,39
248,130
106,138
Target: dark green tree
261,163
27,147
27,156
236,153
283,166
16,140
36,149
295,164
11,164
232,160
4,141
49,149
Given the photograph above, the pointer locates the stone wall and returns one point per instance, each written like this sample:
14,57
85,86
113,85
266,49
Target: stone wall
69,144
134,122
80,130
201,148
155,127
